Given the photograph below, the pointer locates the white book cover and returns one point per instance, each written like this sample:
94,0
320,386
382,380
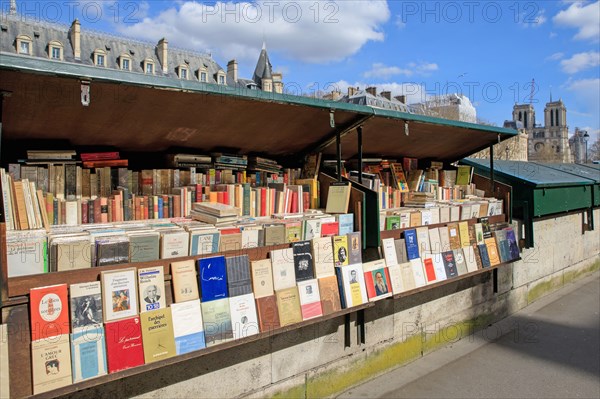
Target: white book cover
353,279
423,239
426,217
389,251
250,238
470,259
396,279
444,214
408,277
282,261
312,228
310,299
465,212
434,241
187,326
119,294
244,319
438,265
435,215
444,238
323,256
404,220
475,208
151,283
26,252
418,272
174,244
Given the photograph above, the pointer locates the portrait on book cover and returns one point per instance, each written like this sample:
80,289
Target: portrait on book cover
87,311
152,294
380,282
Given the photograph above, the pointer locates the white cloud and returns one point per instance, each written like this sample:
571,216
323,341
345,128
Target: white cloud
414,92
317,32
382,71
400,24
556,57
552,35
580,62
587,93
533,21
583,17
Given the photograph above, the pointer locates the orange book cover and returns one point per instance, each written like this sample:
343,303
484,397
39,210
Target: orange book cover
49,311
177,206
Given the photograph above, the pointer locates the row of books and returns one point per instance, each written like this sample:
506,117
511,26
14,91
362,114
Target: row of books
440,212
77,247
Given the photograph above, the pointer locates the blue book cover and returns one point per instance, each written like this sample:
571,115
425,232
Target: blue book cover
212,274
483,253
513,247
346,223
450,264
338,273
188,327
412,245
88,350
504,250
160,207
202,244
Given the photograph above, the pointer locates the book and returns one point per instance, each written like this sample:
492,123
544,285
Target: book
423,239
310,299
203,242
282,261
288,306
184,280
502,244
88,351
322,248
338,198
217,321
274,234
449,264
461,263
408,277
353,291
377,280
124,347
49,309
346,223
212,275
492,251
444,238
392,222
513,246
329,229
412,245
330,295
26,252
439,267
311,229
119,294
268,314
483,255
485,227
354,248
151,283
51,363
174,244
303,261
464,174
389,251
230,241
478,227
239,280
429,268
470,259
70,253
144,247
157,335
395,279
418,272
113,250
400,246
453,235
86,305
262,278
244,319
340,250
188,329
463,229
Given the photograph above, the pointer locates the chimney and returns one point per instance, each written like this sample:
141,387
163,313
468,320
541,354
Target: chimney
387,94
336,95
13,7
401,98
232,71
278,82
161,50
75,38
372,90
352,91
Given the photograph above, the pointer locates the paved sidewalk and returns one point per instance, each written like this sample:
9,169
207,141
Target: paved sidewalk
550,349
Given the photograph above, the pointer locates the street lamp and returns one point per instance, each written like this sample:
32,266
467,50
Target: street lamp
586,137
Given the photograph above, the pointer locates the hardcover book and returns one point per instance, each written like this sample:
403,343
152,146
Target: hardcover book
354,248
239,281
461,263
323,257
377,280
49,312
157,335
283,268
268,314
288,305
449,264
244,319
51,363
340,250
188,328
151,283
330,295
412,245
184,280
124,346
262,278
310,300
353,291
212,275
88,350
303,261
217,321
86,305
119,294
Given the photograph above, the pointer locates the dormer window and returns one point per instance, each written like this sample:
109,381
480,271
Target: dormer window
203,74
149,67
125,62
183,72
100,58
220,77
24,44
55,50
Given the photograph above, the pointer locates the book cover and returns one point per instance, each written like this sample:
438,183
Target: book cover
26,252
485,227
144,247
353,285
312,229
310,300
418,272
239,280
401,254
244,319
250,238
51,363
262,278
323,257
449,264
282,261
268,314
439,267
463,229
408,277
346,223
484,256
184,280
188,328
174,244
119,294
151,283
293,231
86,305
88,351
470,259
463,175
288,306
492,250
415,219
423,239
377,280
478,233
124,346
70,253
389,251
330,295
429,268
212,275
354,248
49,312
157,335
444,238
340,250
392,222
112,250
502,243
329,229
338,198
217,321
513,246
396,279
303,261
204,242
461,263
453,235
274,234
426,217
412,245
230,242
435,241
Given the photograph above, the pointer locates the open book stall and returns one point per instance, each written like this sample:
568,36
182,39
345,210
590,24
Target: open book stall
135,236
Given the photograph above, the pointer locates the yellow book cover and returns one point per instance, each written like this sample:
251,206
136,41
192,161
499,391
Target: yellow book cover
338,198
157,335
340,250
463,175
185,281
356,294
262,278
463,229
288,305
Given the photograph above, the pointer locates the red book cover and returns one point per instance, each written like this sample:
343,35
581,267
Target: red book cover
124,347
99,156
371,281
49,311
97,210
306,199
226,197
311,310
220,197
294,202
429,269
198,192
263,202
330,229
234,230
177,206
145,207
106,163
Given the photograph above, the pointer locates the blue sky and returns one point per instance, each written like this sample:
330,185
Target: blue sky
487,50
